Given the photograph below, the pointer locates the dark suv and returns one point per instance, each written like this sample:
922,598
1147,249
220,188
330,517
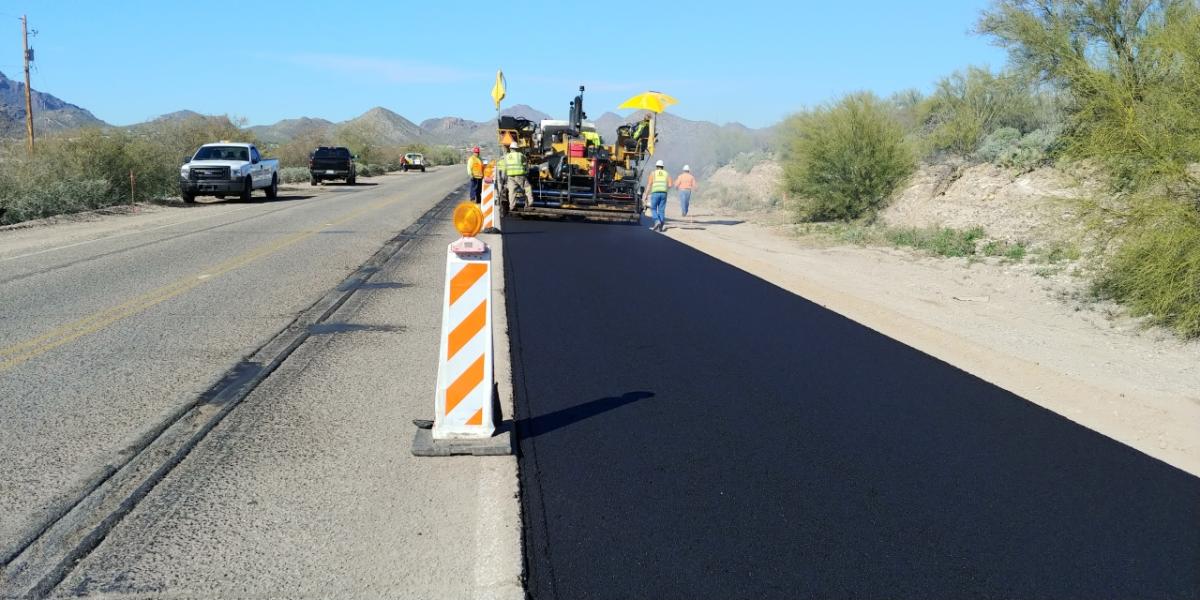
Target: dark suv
329,162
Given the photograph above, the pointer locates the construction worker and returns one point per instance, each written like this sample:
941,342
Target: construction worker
685,183
475,170
656,189
592,138
515,170
642,132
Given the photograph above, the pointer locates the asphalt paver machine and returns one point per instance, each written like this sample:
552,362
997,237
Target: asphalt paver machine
573,175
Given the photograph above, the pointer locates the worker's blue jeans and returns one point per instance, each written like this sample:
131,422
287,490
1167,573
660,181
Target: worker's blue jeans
685,197
658,207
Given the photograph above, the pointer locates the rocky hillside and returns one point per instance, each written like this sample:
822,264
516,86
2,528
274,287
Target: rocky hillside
50,114
384,125
702,145
290,128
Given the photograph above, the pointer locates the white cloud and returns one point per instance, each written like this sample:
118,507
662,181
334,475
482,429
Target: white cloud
395,71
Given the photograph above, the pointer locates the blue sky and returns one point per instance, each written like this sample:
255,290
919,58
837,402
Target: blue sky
753,62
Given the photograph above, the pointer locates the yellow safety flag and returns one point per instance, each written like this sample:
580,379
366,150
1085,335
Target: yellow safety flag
498,89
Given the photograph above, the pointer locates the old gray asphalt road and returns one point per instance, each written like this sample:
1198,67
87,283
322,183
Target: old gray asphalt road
308,489
101,343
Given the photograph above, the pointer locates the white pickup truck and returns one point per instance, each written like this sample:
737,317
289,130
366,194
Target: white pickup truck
227,169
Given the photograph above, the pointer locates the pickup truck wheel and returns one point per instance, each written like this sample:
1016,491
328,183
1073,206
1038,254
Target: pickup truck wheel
188,198
313,181
247,189
422,169
351,180
273,191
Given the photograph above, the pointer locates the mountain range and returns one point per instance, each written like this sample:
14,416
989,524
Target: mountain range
49,113
703,144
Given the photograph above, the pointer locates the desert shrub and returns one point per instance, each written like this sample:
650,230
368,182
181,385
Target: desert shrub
1007,147
1156,271
35,198
1014,251
942,241
997,144
970,105
845,159
294,174
444,155
371,170
1130,71
90,168
746,161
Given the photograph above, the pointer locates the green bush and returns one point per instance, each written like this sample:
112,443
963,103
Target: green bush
1131,71
746,161
940,241
1014,251
370,170
970,105
1008,148
844,160
294,174
45,197
90,168
1156,271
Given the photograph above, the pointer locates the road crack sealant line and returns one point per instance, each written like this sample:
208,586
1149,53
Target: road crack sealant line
41,564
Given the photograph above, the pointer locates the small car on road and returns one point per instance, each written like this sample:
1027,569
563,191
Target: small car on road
413,160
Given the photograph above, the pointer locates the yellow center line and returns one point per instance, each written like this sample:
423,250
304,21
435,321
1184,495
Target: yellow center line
23,351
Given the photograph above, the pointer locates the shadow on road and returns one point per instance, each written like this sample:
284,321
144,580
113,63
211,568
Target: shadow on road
535,426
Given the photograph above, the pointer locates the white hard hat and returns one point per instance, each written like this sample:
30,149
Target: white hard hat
686,168
659,164
513,145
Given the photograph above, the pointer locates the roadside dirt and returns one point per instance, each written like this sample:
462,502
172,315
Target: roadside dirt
1025,332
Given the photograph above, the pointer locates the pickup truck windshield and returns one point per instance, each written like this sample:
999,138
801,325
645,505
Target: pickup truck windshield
223,153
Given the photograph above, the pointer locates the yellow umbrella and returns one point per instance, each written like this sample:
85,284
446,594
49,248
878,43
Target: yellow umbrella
655,102
652,101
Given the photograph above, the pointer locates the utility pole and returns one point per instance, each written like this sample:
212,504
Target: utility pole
28,55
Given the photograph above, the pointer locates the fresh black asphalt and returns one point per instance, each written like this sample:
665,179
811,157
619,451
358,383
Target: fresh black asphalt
688,430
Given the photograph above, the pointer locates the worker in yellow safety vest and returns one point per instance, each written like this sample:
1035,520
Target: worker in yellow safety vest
515,169
642,132
475,171
592,138
656,189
